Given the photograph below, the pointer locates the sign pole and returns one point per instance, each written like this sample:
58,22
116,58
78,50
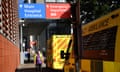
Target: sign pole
21,45
77,33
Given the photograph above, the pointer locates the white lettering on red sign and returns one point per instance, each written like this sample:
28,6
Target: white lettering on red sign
57,10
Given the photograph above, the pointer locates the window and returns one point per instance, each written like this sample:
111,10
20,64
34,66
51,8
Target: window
55,1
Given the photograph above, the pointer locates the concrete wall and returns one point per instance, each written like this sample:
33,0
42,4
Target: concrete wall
42,40
39,1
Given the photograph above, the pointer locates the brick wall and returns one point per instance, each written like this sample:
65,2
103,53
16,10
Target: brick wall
9,55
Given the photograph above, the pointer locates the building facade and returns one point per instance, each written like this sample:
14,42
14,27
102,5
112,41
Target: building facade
9,35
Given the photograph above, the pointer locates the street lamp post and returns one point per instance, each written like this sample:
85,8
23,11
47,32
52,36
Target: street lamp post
21,43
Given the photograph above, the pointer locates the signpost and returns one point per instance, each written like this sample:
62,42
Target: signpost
20,1
32,11
45,10
57,10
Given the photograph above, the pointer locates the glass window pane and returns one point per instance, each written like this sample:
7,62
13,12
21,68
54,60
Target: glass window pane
50,0
61,0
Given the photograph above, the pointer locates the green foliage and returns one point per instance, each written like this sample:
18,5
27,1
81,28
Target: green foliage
93,9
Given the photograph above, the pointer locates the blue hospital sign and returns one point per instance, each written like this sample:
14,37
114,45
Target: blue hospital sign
32,11
21,1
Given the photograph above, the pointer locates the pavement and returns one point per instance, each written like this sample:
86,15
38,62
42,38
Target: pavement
25,68
31,68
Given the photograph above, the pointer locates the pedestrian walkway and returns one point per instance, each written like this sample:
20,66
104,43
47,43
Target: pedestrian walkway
26,68
31,68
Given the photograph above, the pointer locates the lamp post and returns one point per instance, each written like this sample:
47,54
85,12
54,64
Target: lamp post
21,42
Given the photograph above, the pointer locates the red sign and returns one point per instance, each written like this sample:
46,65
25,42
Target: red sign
57,10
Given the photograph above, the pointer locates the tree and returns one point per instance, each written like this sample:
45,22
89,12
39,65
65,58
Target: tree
93,9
